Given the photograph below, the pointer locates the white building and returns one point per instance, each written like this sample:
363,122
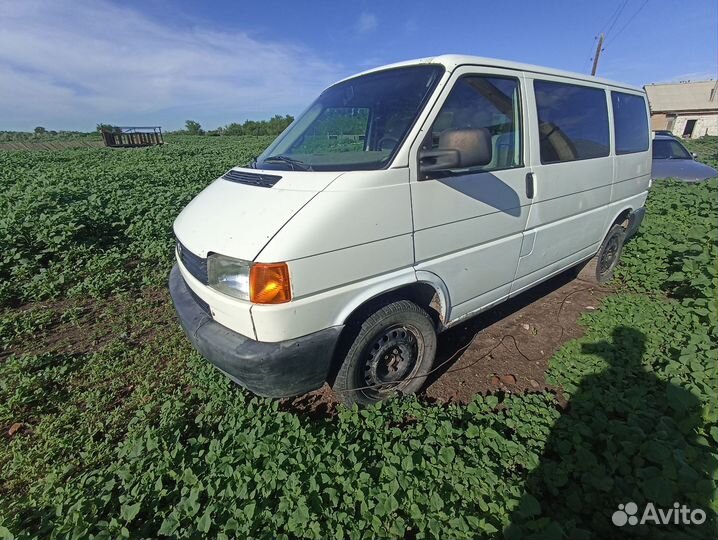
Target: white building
687,109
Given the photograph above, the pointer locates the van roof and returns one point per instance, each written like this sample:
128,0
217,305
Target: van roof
452,61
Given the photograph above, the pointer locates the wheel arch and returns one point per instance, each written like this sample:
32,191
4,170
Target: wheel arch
621,217
427,291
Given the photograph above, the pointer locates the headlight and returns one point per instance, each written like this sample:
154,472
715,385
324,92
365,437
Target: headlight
229,276
260,283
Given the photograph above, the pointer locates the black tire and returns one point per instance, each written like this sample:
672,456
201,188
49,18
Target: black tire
600,268
392,353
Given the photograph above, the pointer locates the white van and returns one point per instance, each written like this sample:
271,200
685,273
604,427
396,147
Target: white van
402,201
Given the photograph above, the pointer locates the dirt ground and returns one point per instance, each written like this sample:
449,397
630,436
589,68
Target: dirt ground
505,349
94,323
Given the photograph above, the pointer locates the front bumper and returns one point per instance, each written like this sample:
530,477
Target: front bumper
282,369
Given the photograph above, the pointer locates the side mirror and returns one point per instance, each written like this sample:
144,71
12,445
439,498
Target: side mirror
694,155
439,160
458,149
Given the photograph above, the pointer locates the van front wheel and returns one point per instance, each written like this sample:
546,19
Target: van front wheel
391,354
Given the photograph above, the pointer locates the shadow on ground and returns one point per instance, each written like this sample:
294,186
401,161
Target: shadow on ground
625,437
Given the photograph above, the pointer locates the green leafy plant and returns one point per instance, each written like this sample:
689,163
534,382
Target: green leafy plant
127,432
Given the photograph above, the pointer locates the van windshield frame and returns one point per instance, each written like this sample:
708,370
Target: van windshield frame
357,124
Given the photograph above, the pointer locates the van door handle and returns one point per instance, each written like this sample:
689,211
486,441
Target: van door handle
530,187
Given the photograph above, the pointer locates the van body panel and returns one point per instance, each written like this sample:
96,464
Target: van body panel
349,265
331,307
629,186
542,274
298,180
563,219
478,304
546,256
351,241
346,216
469,226
565,192
438,251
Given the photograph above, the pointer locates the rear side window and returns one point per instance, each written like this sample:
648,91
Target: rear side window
630,123
573,121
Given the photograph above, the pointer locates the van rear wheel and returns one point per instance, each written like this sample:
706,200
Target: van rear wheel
392,353
600,268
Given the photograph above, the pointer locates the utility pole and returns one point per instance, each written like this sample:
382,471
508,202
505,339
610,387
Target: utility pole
598,53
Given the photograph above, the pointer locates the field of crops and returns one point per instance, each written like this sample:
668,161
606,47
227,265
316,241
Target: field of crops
114,427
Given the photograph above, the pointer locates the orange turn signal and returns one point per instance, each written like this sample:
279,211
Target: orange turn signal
269,283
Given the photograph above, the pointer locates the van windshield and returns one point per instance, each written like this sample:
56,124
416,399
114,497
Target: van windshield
359,123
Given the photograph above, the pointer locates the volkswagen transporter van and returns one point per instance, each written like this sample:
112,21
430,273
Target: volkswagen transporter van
402,201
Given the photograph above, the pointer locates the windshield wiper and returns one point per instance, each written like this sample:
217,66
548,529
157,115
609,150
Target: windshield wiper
294,163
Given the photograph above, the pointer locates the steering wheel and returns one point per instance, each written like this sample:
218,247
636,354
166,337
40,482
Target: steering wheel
385,138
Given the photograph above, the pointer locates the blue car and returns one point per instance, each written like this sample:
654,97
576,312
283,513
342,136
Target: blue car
672,160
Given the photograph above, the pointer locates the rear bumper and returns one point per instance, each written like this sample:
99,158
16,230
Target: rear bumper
634,221
282,369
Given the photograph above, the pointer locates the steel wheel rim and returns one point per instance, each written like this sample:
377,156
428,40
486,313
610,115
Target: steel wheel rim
608,256
391,360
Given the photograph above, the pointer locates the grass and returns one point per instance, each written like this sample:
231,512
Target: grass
124,431
706,148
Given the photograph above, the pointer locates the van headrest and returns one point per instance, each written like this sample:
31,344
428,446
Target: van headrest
474,145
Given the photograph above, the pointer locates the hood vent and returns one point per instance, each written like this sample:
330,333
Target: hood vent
252,179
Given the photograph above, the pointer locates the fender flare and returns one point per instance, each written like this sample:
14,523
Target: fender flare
623,209
394,283
372,291
425,276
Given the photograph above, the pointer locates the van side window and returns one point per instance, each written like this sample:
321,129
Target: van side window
573,121
484,102
630,123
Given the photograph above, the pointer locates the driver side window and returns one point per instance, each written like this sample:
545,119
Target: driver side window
489,103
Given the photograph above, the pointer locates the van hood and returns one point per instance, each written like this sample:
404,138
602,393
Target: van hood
237,219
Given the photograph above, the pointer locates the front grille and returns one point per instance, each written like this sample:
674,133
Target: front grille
194,264
253,179
201,303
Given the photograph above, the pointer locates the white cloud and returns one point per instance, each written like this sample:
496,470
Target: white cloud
70,64
367,23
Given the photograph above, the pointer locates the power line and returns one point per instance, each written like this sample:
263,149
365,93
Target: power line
609,19
610,23
645,2
618,16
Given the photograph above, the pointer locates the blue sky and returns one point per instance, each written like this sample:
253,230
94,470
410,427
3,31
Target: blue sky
69,64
